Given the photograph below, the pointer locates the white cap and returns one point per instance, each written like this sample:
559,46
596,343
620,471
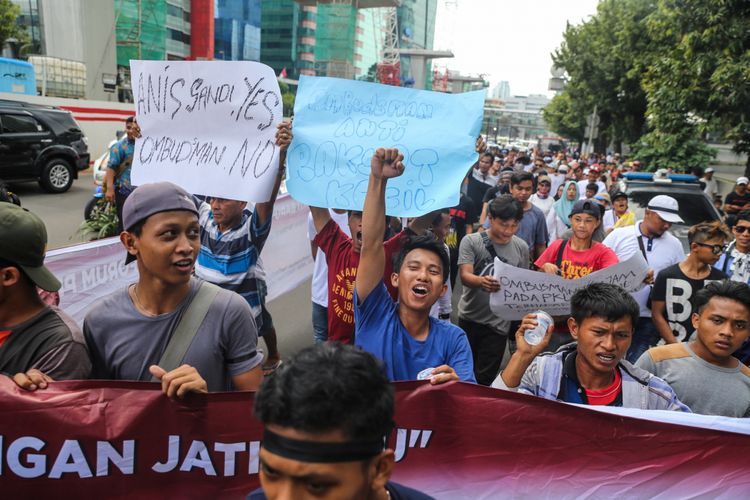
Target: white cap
742,180
562,168
709,170
666,207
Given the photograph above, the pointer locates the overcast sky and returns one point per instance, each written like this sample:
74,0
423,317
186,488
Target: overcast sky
507,39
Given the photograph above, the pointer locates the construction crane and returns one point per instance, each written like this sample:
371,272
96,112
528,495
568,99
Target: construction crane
389,67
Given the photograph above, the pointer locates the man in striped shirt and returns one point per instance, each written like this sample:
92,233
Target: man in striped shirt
232,237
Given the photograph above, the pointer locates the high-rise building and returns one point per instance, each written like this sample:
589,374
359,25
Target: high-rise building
501,90
280,23
237,28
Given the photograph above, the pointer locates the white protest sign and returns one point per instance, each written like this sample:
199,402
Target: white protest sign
523,291
208,126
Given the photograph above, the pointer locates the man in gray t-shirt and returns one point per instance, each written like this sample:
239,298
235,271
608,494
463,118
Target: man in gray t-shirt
487,332
124,343
703,373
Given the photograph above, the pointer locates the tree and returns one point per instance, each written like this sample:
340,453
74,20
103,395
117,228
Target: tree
604,59
701,81
563,118
287,98
9,27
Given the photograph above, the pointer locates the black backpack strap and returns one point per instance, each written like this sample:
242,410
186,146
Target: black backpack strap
560,252
488,245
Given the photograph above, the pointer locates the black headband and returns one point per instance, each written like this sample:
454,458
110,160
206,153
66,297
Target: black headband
663,209
321,452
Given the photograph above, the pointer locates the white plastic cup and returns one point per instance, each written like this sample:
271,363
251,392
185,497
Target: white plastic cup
536,334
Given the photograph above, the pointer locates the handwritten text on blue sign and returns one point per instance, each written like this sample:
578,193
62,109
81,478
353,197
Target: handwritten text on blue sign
340,123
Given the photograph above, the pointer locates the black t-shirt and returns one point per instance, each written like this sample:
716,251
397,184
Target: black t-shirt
462,214
495,192
677,291
475,191
737,199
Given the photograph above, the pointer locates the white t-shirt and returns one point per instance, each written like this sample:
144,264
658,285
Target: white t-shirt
582,188
555,180
665,251
542,204
712,187
320,270
490,180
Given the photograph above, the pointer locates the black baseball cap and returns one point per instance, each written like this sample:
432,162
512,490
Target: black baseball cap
618,194
588,206
24,243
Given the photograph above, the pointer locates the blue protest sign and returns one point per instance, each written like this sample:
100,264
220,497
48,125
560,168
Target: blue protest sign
338,124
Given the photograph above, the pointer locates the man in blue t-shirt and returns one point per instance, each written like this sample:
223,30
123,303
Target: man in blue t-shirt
412,344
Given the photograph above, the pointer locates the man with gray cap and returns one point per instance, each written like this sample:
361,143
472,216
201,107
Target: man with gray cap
661,249
33,335
134,333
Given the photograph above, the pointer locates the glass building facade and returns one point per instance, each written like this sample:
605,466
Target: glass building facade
237,30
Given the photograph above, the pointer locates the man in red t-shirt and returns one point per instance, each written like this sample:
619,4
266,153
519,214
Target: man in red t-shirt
576,257
342,257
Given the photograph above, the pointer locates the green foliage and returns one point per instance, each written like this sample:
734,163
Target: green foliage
703,75
9,28
287,98
681,151
662,73
288,101
604,59
563,118
101,224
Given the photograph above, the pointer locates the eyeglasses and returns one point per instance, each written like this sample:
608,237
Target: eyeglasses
741,229
715,249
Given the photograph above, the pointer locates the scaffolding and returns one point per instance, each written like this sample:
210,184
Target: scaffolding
335,35
141,30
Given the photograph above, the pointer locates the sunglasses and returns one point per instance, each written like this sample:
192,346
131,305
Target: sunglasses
715,249
741,229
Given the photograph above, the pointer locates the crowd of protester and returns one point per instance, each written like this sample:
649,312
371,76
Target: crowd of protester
193,318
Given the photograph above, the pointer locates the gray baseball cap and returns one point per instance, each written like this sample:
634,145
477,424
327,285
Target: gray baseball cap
149,199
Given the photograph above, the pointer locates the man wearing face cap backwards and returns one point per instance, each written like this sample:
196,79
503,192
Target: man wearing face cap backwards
132,333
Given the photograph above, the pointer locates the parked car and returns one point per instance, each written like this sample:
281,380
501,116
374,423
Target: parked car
41,143
695,205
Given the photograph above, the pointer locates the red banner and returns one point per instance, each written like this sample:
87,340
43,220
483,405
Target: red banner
95,439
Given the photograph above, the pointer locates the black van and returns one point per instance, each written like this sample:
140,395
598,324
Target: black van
41,143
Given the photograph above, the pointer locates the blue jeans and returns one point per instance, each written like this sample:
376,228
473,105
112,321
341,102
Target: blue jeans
320,323
645,336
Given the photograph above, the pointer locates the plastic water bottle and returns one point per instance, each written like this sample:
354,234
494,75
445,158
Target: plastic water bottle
535,335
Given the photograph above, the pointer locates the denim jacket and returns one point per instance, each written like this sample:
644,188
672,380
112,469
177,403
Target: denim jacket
640,389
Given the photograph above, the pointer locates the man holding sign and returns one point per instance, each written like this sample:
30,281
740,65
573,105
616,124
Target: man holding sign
578,256
592,371
232,238
412,344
